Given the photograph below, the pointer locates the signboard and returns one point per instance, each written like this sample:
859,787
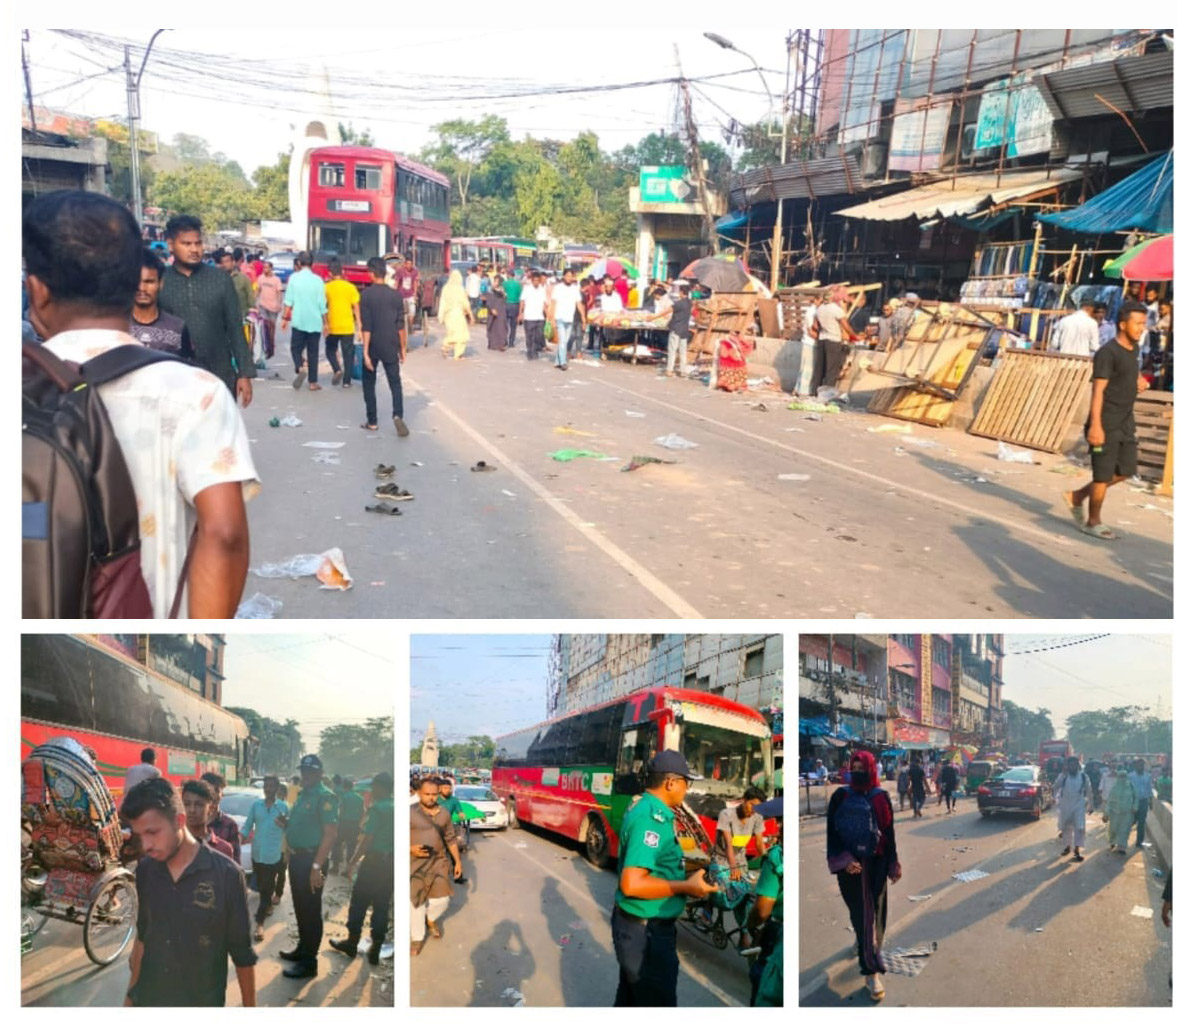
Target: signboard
664,184
919,135
549,777
180,763
350,205
1014,111
909,733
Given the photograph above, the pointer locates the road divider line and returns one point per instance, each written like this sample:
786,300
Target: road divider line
667,596
697,977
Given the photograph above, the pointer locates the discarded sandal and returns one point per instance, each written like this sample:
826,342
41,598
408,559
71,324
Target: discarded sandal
383,509
392,492
384,471
483,466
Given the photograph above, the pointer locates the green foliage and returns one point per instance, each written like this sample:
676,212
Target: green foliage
1126,728
278,746
350,137
474,752
358,750
119,159
192,150
272,189
1026,729
220,197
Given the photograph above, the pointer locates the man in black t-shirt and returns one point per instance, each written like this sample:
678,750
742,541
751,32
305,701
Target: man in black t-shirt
382,319
1111,427
149,324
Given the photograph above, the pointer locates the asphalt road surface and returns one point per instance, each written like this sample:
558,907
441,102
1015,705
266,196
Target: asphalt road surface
1038,930
57,971
876,524
534,919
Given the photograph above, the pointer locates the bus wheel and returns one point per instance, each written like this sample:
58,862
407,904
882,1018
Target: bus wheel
596,842
512,819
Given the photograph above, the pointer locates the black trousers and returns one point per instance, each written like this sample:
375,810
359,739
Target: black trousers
647,954
268,882
392,371
307,907
303,346
512,314
345,841
534,339
828,363
345,343
867,924
373,889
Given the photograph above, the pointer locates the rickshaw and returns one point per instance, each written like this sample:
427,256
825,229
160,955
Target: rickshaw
71,844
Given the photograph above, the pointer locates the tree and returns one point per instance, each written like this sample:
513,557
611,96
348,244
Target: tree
474,752
271,193
463,145
218,197
355,749
193,150
276,747
349,136
1026,729
119,159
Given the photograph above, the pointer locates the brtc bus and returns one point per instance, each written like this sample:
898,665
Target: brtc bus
577,774
366,202
116,707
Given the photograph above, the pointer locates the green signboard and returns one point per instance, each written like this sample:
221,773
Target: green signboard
664,184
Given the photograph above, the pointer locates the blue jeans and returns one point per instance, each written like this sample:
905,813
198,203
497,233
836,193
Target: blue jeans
1142,813
562,336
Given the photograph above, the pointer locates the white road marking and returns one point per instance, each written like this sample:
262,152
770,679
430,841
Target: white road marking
668,597
694,975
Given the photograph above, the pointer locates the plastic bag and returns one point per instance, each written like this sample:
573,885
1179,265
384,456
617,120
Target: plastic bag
291,420
550,332
570,455
1006,453
674,442
259,606
329,567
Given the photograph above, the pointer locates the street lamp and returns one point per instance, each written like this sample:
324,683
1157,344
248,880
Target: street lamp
132,89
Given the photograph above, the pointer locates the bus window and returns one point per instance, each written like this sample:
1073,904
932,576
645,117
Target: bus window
332,174
428,257
637,746
455,255
367,177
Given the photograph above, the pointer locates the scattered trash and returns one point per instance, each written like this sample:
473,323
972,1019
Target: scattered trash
418,464
326,445
508,493
570,455
794,429
962,847
564,939
480,466
674,442
793,477
971,874
290,420
812,418
890,427
1152,507
920,897
1013,454
1039,929
761,406
756,384
342,427
258,606
274,422
376,583
924,443
899,451
383,508
513,995
641,460
329,567
1142,912
327,458
571,432
634,414
578,924
1069,470
909,961
520,845
813,406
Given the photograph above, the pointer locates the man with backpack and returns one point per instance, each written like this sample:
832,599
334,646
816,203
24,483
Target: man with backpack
948,781
1072,793
861,850
163,441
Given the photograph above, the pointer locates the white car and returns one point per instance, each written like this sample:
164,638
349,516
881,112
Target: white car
237,803
495,814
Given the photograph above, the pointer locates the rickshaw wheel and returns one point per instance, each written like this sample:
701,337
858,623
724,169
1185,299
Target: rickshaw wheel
110,923
719,937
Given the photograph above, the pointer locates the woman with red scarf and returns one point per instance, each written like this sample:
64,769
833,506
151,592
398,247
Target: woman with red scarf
864,877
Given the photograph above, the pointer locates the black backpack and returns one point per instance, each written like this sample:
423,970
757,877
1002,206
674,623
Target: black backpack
80,527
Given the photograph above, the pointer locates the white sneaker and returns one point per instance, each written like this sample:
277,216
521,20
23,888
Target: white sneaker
876,987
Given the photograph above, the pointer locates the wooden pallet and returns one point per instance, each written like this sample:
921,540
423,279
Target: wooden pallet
1032,398
1154,424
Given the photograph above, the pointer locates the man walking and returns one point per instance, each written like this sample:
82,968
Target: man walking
343,323
305,306
565,305
1142,784
192,910
222,824
198,801
473,285
407,289
1111,426
266,848
149,324
829,353
382,326
1072,794
351,814
310,830
917,785
532,314
204,298
512,297
948,781
242,284
373,887
433,863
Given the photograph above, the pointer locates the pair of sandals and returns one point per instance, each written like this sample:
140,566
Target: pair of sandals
387,492
1099,530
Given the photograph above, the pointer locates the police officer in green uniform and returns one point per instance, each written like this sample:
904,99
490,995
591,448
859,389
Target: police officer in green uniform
374,885
653,888
310,831
351,813
768,917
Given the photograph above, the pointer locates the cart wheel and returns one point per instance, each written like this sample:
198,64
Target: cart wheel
719,937
110,923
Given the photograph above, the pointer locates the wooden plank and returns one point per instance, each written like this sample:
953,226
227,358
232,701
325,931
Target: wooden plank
1032,398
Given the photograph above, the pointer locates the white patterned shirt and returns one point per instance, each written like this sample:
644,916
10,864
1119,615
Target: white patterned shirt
181,432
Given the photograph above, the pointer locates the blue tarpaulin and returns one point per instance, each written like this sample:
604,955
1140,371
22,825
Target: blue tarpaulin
819,726
1143,201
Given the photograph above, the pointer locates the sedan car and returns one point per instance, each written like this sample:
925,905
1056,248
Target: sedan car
237,803
1021,790
483,798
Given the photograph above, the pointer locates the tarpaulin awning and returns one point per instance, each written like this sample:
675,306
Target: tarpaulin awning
819,726
1143,201
732,220
961,195
827,742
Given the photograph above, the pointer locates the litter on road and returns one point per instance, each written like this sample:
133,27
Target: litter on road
641,460
326,445
291,420
569,431
327,458
971,874
513,995
920,897
258,606
634,414
508,493
480,466
1142,912
674,442
890,427
571,455
815,406
330,568
793,477
1014,454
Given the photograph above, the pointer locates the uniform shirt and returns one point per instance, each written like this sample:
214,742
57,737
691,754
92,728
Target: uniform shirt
206,301
224,826
266,845
1119,366
189,929
305,293
769,884
533,298
180,432
340,296
382,315
139,773
351,807
314,808
379,824
165,333
648,841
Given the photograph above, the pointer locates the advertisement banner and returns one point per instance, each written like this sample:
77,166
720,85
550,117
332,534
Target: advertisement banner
663,184
1019,114
919,135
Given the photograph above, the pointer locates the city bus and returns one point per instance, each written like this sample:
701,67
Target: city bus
1051,757
115,706
365,203
577,774
575,256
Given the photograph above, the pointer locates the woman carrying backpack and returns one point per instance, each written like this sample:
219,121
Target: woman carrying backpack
861,850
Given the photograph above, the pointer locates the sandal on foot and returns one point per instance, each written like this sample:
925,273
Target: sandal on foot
383,509
402,429
315,386
299,379
368,426
483,466
1076,510
1101,532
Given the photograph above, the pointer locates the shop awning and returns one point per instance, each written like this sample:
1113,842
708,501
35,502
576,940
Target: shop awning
1143,201
1092,91
827,742
820,177
962,195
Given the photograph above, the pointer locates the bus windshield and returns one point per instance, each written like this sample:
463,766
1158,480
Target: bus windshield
351,242
728,759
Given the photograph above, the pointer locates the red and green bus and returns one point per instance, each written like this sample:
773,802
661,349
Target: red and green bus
577,774
79,687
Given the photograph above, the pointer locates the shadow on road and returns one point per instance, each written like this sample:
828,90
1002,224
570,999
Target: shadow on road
504,958
580,952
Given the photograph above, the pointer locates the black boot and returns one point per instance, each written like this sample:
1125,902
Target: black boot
374,951
348,946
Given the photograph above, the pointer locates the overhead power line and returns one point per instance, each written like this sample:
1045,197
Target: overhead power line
1072,642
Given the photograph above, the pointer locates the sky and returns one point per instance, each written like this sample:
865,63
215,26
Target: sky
400,80
1107,672
318,679
477,684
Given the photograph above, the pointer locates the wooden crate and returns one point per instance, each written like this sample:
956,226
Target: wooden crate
1032,398
1154,421
946,368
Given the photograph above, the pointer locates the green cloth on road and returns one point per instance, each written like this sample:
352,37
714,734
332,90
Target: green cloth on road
206,301
649,841
314,808
570,455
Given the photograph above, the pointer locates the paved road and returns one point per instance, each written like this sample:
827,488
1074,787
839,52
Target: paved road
883,526
58,972
1039,930
534,918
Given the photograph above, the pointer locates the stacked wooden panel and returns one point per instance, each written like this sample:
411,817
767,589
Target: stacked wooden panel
1032,398
1154,425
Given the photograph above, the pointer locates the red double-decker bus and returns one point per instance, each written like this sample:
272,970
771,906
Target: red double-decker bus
577,774
365,203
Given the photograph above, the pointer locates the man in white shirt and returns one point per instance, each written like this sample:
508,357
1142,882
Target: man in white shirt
566,302
472,285
532,315
178,427
1077,333
143,770
610,303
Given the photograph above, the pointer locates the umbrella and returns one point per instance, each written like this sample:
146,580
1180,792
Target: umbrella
613,266
466,812
1150,261
723,275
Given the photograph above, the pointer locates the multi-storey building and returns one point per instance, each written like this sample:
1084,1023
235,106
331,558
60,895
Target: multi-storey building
192,660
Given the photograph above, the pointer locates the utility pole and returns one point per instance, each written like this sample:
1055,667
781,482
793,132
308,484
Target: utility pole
132,90
696,158
830,683
778,229
28,83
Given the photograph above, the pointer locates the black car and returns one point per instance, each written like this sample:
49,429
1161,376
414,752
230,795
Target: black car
1022,789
